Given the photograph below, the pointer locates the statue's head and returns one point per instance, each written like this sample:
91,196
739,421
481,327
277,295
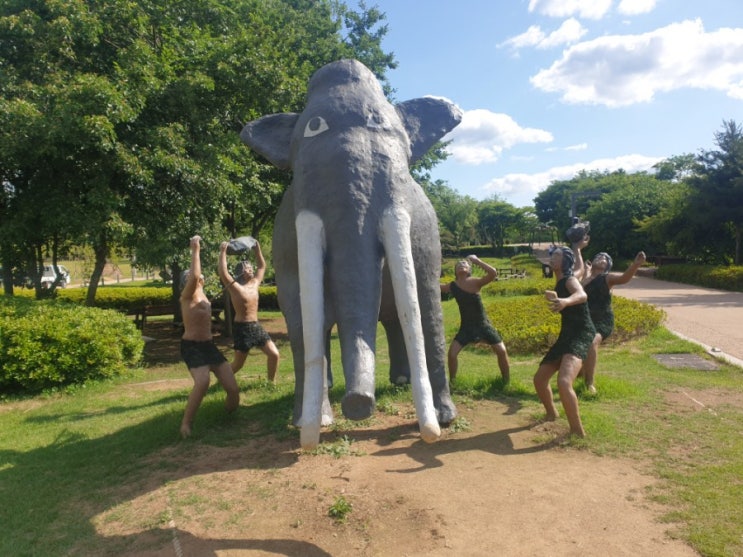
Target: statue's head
244,271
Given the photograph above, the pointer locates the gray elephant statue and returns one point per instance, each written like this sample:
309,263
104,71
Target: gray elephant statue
356,241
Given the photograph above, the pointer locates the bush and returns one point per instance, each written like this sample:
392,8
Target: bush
49,344
528,326
122,298
129,298
709,276
268,298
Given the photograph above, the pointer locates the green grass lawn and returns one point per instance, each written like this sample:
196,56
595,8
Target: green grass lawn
65,456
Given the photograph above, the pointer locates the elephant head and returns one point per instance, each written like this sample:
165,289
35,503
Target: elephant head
356,242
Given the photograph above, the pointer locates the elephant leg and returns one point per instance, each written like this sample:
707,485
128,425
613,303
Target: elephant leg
310,232
399,365
328,359
433,332
397,245
295,339
327,409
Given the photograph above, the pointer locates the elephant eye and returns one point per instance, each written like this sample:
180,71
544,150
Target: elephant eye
377,121
315,126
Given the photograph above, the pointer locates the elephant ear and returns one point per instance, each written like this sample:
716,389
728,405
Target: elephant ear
270,136
427,120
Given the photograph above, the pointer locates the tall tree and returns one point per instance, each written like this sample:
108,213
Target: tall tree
675,168
615,216
61,142
717,187
496,218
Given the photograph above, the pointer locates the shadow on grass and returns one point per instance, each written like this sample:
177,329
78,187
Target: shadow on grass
58,490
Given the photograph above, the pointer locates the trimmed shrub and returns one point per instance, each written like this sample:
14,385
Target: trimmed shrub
122,298
129,298
268,298
709,276
529,327
49,344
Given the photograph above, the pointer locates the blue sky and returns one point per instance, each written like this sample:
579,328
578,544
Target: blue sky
552,87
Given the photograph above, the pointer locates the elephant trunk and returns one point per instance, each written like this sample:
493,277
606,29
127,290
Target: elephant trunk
355,290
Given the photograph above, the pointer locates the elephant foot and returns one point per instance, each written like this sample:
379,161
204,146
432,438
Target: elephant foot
399,375
446,411
357,406
430,432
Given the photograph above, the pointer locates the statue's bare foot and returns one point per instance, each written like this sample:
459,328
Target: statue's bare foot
578,433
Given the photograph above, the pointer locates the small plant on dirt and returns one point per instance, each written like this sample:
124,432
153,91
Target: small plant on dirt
341,447
460,423
387,407
340,509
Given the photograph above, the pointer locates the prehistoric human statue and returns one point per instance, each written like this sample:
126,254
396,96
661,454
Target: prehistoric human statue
356,241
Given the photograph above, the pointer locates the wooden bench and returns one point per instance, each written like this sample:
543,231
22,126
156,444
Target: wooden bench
660,260
508,273
142,313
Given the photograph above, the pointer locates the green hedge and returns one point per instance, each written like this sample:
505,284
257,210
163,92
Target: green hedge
128,298
709,276
122,298
49,344
529,327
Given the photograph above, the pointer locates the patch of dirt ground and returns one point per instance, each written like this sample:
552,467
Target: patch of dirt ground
496,489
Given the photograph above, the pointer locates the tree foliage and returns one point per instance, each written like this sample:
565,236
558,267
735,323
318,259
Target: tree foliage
717,188
496,218
119,121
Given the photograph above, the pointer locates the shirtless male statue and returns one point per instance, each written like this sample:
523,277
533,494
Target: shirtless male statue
198,349
243,289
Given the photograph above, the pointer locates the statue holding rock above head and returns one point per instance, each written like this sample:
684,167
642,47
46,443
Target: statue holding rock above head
356,241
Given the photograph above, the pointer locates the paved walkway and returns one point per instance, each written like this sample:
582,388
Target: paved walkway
711,318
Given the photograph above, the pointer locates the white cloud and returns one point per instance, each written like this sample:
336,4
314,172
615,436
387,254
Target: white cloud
636,7
569,32
620,70
482,136
531,37
589,9
532,184
576,147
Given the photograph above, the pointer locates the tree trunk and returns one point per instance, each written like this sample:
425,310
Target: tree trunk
176,293
101,253
7,276
738,233
39,271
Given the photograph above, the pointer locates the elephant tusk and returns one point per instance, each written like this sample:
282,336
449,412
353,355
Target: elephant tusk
399,253
310,248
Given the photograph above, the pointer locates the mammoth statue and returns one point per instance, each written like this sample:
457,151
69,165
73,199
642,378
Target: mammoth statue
356,241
